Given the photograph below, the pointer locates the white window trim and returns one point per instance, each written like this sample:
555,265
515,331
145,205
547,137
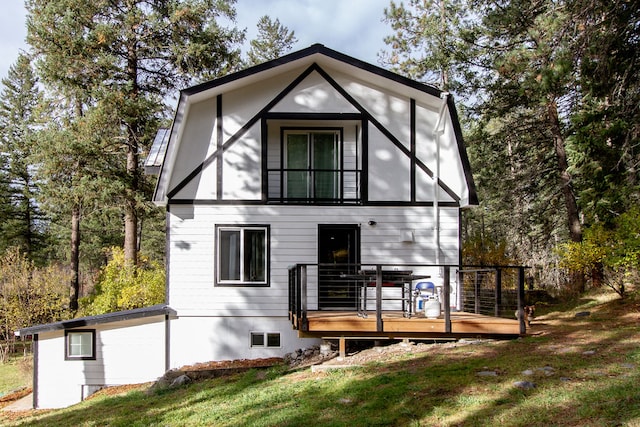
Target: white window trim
241,229
266,339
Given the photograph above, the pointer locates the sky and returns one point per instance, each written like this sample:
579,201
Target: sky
353,27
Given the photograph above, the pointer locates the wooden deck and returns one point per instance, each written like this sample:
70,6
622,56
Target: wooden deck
395,325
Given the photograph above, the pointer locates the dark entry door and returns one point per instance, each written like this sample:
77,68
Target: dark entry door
338,256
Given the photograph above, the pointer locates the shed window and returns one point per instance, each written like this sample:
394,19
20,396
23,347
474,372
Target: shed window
80,345
242,255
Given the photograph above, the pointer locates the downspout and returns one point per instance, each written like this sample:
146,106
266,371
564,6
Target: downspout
36,356
437,133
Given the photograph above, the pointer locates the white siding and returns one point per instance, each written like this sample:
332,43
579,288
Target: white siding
294,236
389,169
242,169
198,139
126,353
314,95
202,339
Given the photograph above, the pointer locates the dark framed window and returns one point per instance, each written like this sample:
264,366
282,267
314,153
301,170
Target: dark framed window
265,339
80,344
312,160
242,255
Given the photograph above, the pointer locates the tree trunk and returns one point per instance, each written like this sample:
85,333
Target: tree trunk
133,169
75,257
566,187
130,213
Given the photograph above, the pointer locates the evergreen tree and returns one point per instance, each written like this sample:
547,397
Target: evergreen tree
428,41
77,166
128,56
606,118
273,41
23,225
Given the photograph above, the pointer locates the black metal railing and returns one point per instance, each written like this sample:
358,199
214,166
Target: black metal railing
371,289
339,186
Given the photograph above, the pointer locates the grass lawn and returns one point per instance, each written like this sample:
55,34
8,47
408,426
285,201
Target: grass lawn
13,375
586,372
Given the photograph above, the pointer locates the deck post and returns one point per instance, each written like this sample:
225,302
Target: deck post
460,290
446,289
521,317
476,293
342,347
303,298
498,301
379,298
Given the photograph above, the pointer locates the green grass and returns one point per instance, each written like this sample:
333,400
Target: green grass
13,376
428,386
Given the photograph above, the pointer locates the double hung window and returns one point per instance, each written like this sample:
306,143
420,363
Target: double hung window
242,255
312,164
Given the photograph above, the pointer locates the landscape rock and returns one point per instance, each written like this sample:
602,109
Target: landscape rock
524,385
180,381
583,314
487,374
547,370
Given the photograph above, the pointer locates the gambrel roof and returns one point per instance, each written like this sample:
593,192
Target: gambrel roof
303,72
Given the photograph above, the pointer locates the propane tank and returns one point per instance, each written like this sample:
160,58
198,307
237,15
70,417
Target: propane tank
432,308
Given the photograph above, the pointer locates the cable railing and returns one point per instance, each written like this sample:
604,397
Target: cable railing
370,290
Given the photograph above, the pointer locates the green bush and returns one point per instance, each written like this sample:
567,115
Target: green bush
610,256
122,286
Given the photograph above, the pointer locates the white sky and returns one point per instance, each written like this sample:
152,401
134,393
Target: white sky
353,27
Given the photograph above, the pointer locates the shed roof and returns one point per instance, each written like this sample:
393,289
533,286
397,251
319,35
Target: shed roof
154,310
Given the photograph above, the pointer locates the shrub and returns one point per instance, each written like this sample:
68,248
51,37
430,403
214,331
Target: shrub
122,286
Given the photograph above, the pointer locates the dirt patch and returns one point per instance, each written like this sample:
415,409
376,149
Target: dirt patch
9,398
233,364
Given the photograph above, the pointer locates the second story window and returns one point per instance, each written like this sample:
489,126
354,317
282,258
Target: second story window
312,164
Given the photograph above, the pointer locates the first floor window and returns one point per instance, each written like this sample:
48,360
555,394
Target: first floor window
80,345
242,255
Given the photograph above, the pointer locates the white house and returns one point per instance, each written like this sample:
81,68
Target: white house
312,159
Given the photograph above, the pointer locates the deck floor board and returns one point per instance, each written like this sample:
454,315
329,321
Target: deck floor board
349,323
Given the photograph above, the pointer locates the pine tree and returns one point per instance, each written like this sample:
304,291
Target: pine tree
428,41
128,56
273,41
23,225
606,118
531,80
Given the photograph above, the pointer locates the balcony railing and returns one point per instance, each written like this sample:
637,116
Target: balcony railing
314,186
368,290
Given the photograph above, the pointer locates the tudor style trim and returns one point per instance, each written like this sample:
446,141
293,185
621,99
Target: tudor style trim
163,194
225,146
264,113
219,144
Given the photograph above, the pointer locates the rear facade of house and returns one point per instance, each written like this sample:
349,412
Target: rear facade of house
315,158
